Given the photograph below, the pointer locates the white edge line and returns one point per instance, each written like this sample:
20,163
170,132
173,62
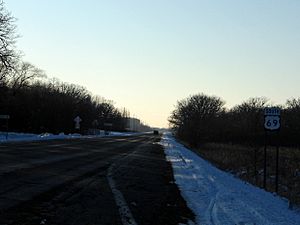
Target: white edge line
124,211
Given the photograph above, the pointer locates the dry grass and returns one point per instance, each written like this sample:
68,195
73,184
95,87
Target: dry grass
240,161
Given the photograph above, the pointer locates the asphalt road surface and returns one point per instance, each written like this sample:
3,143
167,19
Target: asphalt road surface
118,180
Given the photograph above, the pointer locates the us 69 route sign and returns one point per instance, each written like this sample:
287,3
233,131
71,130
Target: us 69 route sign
272,119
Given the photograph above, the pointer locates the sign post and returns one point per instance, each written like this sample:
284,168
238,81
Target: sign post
272,123
107,127
77,121
277,167
5,117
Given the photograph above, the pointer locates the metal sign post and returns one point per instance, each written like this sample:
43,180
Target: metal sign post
272,123
5,117
277,168
265,161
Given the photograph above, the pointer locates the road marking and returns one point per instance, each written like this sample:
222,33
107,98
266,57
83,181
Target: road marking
124,211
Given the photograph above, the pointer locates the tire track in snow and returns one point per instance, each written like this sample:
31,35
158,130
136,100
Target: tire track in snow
219,198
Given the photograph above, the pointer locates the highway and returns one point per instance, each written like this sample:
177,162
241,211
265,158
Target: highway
116,180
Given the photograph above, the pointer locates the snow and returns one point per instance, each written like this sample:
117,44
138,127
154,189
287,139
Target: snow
14,137
218,198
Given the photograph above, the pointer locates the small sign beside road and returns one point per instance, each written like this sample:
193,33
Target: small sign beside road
272,119
272,123
272,111
77,121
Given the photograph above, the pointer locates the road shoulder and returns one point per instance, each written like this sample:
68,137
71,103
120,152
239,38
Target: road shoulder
146,180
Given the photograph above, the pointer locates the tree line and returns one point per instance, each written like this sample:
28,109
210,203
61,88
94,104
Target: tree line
36,103
201,118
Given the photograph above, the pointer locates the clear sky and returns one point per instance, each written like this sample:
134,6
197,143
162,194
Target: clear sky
147,54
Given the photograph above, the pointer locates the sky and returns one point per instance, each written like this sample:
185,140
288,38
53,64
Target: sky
146,55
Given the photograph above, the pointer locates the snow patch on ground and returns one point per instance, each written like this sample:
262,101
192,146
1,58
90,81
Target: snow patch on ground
218,198
13,137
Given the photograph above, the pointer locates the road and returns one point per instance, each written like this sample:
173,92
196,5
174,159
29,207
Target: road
117,180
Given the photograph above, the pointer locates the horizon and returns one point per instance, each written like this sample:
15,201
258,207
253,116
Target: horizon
145,56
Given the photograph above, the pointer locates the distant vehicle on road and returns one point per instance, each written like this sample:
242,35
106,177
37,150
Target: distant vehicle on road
155,132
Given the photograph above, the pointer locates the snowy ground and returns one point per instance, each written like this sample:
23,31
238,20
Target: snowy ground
12,137
218,198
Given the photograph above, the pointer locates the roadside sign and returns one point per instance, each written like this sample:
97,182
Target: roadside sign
272,111
77,121
95,123
4,117
272,123
272,119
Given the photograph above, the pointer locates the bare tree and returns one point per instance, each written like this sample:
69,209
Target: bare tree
246,120
24,74
7,42
194,118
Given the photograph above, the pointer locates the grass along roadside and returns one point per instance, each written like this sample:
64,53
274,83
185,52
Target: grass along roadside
247,163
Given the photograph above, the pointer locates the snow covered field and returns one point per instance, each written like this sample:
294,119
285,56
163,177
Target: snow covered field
12,137
218,198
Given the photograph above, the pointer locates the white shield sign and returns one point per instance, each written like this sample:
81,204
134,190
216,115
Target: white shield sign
272,122
272,119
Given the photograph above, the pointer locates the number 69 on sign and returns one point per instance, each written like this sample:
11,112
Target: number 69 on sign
272,122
